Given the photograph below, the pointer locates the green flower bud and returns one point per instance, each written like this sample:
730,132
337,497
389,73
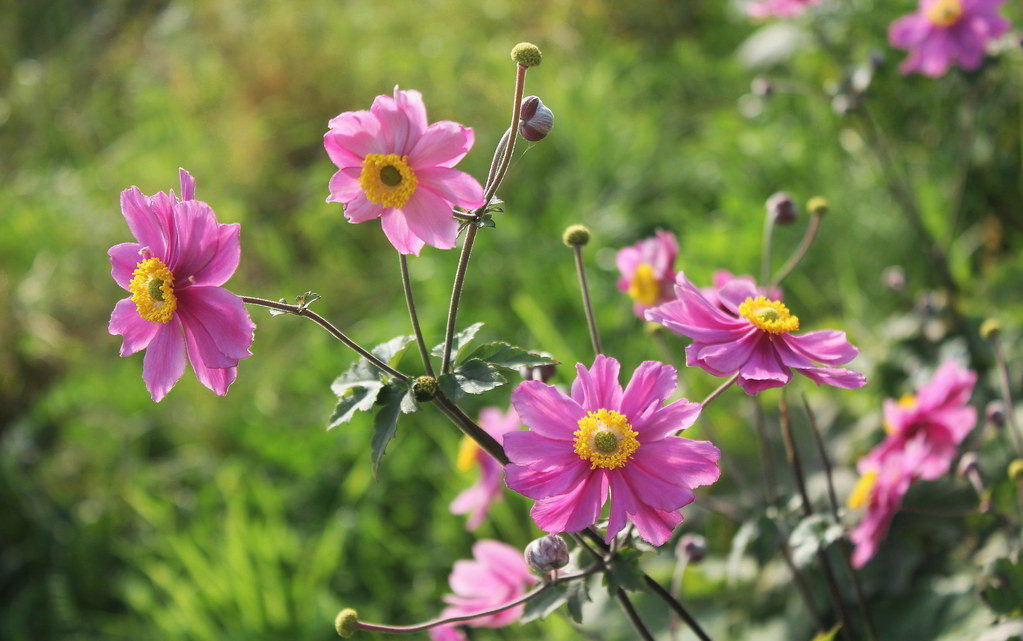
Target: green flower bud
425,388
576,235
346,623
990,328
818,205
527,54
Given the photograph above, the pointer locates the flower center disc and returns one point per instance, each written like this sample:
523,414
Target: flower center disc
769,315
152,291
643,289
605,439
387,179
944,13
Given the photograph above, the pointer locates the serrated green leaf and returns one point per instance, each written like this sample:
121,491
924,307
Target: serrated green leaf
385,423
458,341
813,534
546,601
356,399
508,356
623,572
391,351
362,373
409,403
471,377
578,594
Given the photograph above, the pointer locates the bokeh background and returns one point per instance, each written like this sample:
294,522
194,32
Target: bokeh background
242,517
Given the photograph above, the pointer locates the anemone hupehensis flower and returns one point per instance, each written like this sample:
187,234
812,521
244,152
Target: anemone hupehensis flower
603,438
942,32
174,273
394,166
754,338
476,499
778,8
496,575
722,277
647,270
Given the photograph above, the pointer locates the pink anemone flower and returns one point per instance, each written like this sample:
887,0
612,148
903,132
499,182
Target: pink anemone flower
393,166
604,438
942,32
174,272
496,575
476,499
754,338
778,8
722,277
647,270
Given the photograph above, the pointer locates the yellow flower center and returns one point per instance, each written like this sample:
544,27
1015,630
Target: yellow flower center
861,493
769,315
387,179
944,13
644,287
906,402
466,454
605,439
152,291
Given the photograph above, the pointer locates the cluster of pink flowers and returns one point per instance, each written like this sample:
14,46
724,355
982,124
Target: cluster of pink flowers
924,433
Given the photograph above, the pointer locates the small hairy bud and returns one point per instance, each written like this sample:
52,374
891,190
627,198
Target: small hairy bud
527,54
990,328
345,623
818,205
425,388
894,278
1016,470
692,548
995,413
535,119
782,209
576,235
968,464
543,373
546,554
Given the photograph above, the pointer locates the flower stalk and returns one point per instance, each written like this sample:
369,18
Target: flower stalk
413,316
804,247
591,321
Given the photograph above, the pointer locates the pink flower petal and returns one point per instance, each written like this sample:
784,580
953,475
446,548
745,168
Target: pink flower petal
164,362
193,240
219,322
455,187
187,184
360,209
428,216
546,411
763,370
527,446
395,128
694,463
136,331
411,104
654,490
344,186
652,383
665,421
574,510
828,346
225,258
352,136
598,387
148,218
723,359
835,377
124,258
443,144
538,483
398,233
504,561
217,380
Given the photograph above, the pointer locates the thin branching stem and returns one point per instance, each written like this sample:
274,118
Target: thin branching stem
797,256
407,286
591,322
634,618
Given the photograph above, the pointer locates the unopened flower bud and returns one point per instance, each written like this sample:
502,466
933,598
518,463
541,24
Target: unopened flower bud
761,87
818,205
346,623
543,373
576,235
535,119
692,547
782,209
527,54
968,465
425,388
995,413
546,554
990,328
894,278
1016,470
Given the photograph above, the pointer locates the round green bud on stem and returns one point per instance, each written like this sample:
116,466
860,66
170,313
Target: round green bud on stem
1016,470
990,328
576,235
346,623
527,54
425,388
818,205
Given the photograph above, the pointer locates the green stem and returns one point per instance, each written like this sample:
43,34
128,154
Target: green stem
410,301
797,256
1005,385
591,322
634,618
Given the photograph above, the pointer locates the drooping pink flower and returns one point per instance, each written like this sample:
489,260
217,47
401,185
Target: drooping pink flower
174,273
647,270
393,166
942,32
722,277
604,438
476,499
937,418
778,8
496,575
754,338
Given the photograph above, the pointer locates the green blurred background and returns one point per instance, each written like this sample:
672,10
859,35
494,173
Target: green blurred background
242,517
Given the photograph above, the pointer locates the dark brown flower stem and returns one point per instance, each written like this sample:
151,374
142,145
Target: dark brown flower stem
634,618
591,322
470,232
861,598
797,256
471,429
299,310
797,471
433,623
407,286
1005,385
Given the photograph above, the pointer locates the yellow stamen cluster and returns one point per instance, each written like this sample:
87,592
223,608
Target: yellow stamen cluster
152,291
466,454
769,315
944,13
644,287
905,402
861,493
605,439
387,179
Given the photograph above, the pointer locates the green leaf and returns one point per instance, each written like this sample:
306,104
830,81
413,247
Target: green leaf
409,403
391,351
578,594
356,399
623,572
1003,591
828,635
813,534
385,423
546,601
362,373
510,357
471,377
460,340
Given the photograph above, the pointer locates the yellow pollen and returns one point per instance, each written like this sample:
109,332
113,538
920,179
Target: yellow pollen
644,287
152,291
605,439
387,179
769,315
466,454
862,491
944,13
